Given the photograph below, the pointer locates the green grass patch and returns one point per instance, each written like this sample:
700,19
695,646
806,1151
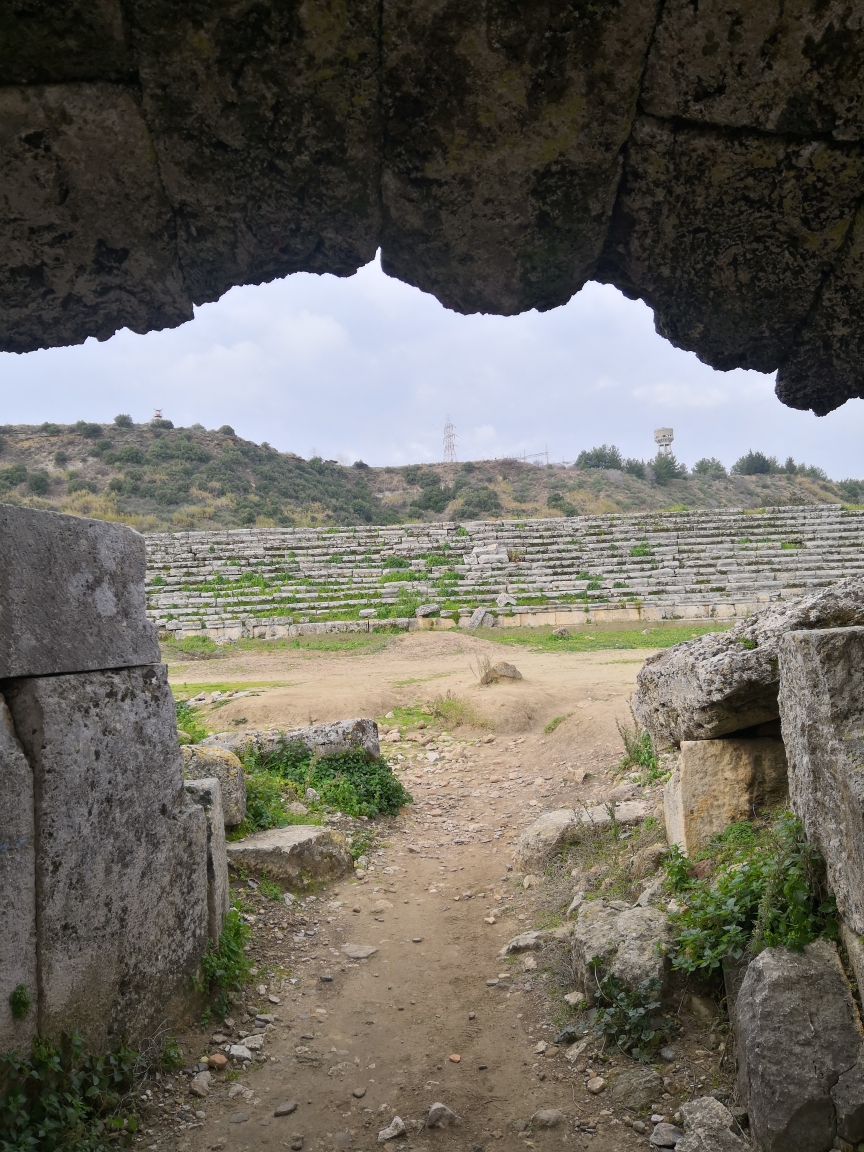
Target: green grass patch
455,711
225,967
59,1099
351,782
596,639
768,889
190,722
553,724
639,754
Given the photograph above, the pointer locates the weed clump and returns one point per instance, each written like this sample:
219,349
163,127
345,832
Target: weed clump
61,1100
639,754
628,1017
456,710
225,967
188,721
767,890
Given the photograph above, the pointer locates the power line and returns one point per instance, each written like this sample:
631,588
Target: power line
449,442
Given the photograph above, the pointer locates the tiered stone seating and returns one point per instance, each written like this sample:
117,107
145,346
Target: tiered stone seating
263,581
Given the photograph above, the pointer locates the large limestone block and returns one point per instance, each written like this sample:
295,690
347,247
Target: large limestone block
266,122
505,126
822,709
121,852
717,782
632,944
86,228
746,65
338,736
726,681
741,287
203,763
297,857
71,595
17,888
208,793
796,1033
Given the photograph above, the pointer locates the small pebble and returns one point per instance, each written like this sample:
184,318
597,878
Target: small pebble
239,1117
416,939
596,1085
454,1058
359,1093
286,1109
471,1015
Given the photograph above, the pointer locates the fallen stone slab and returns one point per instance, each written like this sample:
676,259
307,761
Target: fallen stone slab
727,681
427,610
201,763
208,793
796,1033
17,889
631,944
71,595
121,852
524,942
501,671
718,782
551,831
481,618
822,708
358,951
339,736
296,857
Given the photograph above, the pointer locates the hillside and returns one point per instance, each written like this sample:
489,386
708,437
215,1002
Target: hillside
160,478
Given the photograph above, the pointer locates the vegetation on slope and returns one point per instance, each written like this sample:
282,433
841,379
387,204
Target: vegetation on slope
160,478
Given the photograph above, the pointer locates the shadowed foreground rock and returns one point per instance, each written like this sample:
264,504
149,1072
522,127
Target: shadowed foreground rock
705,159
728,681
796,1034
822,707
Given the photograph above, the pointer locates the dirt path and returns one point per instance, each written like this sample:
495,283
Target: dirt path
356,1043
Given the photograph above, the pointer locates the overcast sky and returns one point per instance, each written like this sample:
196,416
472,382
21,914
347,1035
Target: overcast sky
369,368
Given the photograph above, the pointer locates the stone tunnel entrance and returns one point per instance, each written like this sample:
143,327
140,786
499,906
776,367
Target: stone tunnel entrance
705,159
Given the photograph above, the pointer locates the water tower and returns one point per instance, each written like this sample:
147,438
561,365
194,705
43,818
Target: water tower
663,438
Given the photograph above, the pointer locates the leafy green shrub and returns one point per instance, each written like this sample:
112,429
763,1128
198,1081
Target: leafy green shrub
20,1002
709,466
635,468
628,1018
268,889
667,468
225,968
12,476
187,721
478,501
755,464
79,484
396,562
39,483
606,456
88,431
61,1100
124,420
641,549
396,577
352,782
767,890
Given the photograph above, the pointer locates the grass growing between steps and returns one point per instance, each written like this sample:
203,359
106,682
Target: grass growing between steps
587,639
766,888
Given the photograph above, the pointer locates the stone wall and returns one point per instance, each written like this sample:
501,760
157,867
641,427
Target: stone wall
104,876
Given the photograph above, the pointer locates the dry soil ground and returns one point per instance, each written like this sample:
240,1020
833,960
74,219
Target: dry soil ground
356,1043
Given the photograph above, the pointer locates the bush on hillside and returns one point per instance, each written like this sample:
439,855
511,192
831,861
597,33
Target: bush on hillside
606,456
709,466
667,468
635,468
755,464
478,502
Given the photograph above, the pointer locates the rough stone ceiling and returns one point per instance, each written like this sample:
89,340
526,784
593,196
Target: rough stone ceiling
702,155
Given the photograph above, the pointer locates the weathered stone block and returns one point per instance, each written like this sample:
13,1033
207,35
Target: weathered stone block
796,1033
17,888
71,595
204,763
550,832
121,851
296,857
631,943
338,736
727,681
717,782
208,793
848,1097
822,710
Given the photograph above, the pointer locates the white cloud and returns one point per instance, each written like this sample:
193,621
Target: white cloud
369,367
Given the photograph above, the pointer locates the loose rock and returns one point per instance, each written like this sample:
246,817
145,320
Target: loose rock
200,1084
636,1089
596,1085
440,1116
201,763
286,1109
547,1118
632,944
665,1136
395,1128
297,856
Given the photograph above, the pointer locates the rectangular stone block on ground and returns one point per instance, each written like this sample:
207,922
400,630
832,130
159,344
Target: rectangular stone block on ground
718,782
71,595
121,852
297,857
338,736
17,888
822,711
208,793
